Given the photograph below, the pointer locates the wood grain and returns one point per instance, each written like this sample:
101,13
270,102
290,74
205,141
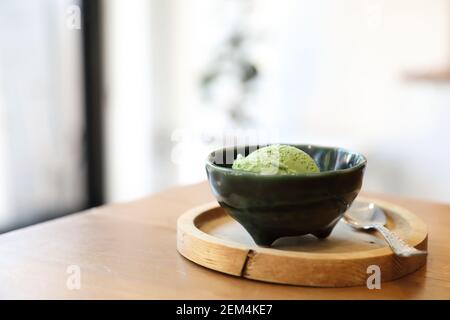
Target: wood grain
128,251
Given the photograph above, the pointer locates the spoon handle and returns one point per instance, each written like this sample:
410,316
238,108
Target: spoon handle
397,245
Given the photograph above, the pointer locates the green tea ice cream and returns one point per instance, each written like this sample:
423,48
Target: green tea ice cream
276,159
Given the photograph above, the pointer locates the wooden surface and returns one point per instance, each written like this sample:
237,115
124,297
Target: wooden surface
129,251
208,236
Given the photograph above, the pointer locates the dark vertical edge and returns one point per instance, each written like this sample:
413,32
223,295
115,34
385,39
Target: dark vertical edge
92,54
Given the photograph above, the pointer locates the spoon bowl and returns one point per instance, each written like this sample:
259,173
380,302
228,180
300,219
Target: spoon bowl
367,216
363,215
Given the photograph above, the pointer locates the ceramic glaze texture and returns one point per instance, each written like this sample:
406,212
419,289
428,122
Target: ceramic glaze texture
274,206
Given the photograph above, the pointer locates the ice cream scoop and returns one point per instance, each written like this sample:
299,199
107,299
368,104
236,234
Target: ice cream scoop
276,160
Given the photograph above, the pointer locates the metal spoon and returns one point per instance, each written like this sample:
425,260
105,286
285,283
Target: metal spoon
366,216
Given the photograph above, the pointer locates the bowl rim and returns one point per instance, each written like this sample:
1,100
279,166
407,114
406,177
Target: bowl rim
360,165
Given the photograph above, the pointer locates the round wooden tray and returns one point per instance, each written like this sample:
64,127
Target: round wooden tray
208,236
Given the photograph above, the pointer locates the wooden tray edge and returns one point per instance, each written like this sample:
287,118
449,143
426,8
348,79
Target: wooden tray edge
337,270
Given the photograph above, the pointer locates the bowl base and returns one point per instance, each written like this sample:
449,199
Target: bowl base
266,240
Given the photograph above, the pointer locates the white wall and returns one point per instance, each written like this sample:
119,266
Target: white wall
128,99
331,73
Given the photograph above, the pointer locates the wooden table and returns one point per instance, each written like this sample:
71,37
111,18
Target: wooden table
129,251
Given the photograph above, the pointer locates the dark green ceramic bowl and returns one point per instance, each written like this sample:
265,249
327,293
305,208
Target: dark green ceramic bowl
274,206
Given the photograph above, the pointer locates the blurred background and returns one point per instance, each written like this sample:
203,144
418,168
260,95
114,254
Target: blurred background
108,101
